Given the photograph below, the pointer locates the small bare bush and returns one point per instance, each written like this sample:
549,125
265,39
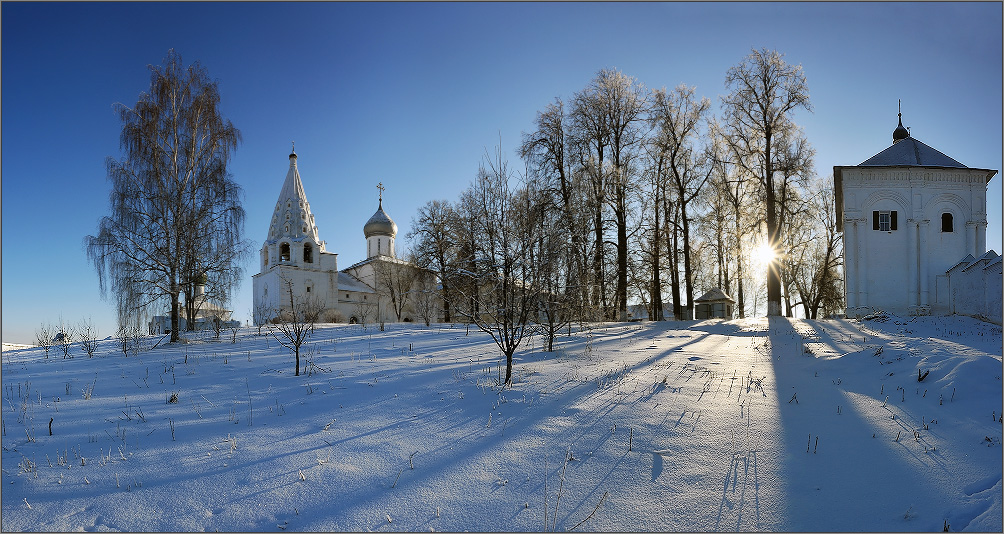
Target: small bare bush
88,335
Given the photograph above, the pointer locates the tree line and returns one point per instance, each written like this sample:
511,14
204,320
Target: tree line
634,195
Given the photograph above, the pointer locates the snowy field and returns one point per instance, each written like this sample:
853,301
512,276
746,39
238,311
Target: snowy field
772,425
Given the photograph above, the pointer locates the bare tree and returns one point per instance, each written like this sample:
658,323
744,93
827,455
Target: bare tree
503,274
426,297
64,338
547,153
814,267
556,294
88,336
263,313
433,232
43,337
680,120
733,191
362,311
175,211
608,115
764,93
394,280
216,321
128,337
297,323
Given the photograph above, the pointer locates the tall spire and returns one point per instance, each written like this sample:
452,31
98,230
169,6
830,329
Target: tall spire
900,133
292,217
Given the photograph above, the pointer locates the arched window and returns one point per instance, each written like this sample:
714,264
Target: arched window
947,224
308,253
284,252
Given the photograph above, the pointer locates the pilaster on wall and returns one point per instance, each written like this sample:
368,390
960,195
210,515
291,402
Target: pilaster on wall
924,282
850,259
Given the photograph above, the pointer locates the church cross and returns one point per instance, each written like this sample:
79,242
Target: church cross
381,188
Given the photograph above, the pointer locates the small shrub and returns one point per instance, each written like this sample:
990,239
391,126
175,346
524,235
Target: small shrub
173,399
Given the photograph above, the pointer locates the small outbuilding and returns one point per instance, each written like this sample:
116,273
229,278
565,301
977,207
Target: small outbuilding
714,304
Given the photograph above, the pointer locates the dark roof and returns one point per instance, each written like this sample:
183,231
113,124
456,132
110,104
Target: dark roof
911,152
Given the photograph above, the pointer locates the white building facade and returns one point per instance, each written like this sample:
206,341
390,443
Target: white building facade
295,266
293,256
908,214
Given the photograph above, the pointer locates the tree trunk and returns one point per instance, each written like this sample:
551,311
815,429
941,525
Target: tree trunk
622,246
174,316
674,275
687,273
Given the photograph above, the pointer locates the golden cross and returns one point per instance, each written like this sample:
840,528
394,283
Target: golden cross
381,188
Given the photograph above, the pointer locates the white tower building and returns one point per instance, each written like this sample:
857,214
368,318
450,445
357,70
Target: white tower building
293,255
908,214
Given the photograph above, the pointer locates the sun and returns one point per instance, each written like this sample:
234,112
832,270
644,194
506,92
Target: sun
764,255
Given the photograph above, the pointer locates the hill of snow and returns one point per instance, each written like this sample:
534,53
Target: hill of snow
754,424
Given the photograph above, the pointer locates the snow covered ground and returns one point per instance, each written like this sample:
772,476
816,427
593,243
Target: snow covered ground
699,426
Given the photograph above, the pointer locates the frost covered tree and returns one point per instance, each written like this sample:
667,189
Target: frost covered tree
680,122
764,92
548,155
176,214
607,118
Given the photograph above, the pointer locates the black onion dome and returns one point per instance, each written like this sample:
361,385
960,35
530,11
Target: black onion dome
900,133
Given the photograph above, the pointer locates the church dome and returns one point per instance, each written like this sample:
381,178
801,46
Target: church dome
900,133
380,224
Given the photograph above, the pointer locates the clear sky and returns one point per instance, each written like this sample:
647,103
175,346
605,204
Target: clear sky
412,94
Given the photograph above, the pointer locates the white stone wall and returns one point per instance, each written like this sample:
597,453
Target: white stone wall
897,270
976,290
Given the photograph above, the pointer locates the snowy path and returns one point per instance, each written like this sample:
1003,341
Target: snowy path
700,426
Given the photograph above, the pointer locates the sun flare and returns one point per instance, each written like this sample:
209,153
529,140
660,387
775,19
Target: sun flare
764,255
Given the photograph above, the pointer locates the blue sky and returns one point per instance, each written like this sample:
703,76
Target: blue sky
412,94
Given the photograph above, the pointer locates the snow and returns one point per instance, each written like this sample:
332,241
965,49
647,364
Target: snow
683,426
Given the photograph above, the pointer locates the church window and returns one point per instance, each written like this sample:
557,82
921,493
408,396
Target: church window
287,216
287,228
308,289
884,221
284,252
308,253
947,224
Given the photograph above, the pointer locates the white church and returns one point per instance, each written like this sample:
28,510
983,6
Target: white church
294,257
914,228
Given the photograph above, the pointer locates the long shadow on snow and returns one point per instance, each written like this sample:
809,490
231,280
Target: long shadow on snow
812,477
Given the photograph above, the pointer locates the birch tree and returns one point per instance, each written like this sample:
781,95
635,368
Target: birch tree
175,210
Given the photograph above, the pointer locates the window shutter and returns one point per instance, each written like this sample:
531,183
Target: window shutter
892,221
875,223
